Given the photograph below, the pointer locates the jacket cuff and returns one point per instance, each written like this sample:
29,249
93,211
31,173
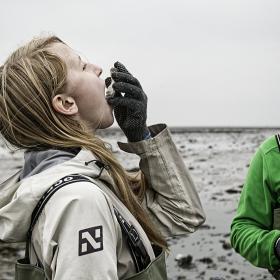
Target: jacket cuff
159,133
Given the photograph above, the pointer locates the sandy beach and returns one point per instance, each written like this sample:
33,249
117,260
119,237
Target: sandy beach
218,160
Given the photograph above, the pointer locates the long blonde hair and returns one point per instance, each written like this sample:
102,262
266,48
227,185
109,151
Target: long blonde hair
30,78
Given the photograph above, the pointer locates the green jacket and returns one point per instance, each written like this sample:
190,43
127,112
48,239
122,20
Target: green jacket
254,228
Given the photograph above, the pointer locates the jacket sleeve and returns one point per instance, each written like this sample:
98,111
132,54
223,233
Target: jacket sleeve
171,198
251,229
79,221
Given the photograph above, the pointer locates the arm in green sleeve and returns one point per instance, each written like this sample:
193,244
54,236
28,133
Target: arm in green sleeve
251,229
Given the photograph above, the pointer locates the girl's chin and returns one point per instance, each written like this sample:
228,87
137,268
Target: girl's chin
107,123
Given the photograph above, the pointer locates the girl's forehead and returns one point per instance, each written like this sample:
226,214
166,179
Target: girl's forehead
66,53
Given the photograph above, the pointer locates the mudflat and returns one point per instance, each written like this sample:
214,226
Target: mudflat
218,160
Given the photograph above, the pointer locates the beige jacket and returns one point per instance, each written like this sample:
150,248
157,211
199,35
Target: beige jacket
77,235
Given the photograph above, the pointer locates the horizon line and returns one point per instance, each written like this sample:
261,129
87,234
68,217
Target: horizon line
212,126
212,129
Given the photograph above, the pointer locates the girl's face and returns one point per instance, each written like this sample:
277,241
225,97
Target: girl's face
85,90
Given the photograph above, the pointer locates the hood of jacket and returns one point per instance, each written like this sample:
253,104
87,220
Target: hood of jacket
20,193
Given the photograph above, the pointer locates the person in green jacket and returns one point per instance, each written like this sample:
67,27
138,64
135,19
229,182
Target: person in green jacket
255,230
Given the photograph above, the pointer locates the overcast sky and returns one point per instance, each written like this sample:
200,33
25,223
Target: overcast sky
201,62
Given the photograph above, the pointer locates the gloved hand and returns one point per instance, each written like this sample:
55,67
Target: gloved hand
131,109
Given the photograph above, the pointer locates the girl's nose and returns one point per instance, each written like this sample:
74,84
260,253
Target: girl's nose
98,70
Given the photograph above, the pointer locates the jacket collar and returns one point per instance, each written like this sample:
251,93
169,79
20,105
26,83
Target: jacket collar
19,197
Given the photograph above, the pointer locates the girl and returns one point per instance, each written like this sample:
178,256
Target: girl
51,105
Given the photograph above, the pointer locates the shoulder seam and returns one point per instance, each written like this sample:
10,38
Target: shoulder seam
266,166
276,145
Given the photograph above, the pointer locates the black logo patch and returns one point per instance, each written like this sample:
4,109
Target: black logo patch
90,240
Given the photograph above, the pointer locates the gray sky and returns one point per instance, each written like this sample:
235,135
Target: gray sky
201,62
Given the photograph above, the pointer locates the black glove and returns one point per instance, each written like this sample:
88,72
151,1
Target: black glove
131,109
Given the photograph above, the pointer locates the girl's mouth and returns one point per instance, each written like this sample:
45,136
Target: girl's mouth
109,91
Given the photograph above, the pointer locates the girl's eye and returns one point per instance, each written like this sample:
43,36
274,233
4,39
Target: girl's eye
84,67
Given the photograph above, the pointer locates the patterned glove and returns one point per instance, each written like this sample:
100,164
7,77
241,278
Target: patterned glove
130,109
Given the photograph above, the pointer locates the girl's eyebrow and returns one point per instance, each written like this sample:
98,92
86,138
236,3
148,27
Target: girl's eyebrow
79,59
76,61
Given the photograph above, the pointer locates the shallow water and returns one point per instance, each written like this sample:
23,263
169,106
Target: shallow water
218,163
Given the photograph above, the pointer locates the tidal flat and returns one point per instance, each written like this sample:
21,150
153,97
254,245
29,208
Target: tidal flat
218,160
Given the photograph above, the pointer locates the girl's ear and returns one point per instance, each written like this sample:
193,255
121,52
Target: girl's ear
65,105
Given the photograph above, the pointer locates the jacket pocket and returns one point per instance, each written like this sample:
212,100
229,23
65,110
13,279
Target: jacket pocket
276,218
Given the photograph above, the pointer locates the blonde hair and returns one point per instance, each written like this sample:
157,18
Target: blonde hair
30,78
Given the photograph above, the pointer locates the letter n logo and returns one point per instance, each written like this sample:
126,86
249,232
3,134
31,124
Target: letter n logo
90,240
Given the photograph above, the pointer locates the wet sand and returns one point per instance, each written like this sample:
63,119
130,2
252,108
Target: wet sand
218,161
